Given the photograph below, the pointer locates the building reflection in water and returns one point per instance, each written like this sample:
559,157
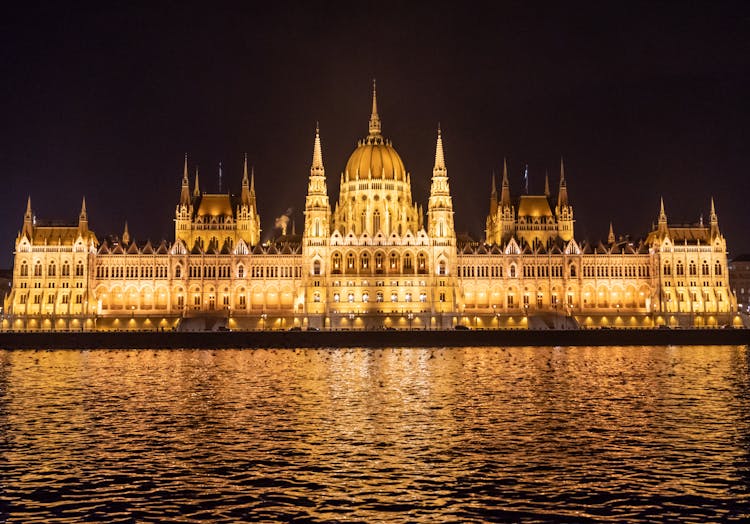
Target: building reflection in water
627,433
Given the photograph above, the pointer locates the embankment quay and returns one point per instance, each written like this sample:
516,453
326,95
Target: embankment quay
374,339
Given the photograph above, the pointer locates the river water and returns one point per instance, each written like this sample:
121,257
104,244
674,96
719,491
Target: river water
636,434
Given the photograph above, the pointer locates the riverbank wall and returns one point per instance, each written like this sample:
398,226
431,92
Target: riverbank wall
374,339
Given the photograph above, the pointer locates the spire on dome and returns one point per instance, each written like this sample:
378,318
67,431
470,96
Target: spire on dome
439,156
611,235
374,118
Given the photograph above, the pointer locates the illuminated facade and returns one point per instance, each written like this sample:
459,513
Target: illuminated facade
375,260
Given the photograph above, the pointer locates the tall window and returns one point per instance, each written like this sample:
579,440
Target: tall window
51,270
717,268
375,222
680,268
65,270
24,269
363,222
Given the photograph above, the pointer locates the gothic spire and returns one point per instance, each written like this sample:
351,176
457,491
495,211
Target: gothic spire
28,221
317,159
185,190
562,195
546,185
611,235
83,216
126,235
374,118
713,220
439,156
196,189
245,195
245,181
505,187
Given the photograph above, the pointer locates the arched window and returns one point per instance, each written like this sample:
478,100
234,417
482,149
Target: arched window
240,271
667,269
336,263
336,297
365,297
379,296
717,268
178,271
363,221
379,262
316,297
680,268
692,268
65,270
408,265
375,222
394,261
51,269
442,270
316,267
512,271
79,269
365,261
24,269
350,261
316,229
421,263
704,268
572,271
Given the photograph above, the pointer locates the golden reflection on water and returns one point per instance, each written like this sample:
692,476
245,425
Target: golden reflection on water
469,434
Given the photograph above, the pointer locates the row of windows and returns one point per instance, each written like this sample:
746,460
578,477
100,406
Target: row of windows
51,269
641,271
275,272
365,297
131,272
393,262
692,268
37,299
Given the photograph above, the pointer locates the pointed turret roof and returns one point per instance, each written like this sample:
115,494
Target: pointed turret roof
611,236
562,195
505,186
196,189
317,158
439,155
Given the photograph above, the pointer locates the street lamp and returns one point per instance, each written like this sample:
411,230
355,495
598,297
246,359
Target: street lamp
263,317
410,316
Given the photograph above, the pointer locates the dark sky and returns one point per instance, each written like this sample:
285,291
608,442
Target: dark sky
642,100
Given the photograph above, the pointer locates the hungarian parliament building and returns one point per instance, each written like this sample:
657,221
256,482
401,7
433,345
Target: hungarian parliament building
372,260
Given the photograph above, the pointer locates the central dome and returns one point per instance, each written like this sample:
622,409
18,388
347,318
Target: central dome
375,158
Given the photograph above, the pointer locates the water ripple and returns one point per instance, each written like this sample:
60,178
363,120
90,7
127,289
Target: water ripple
385,435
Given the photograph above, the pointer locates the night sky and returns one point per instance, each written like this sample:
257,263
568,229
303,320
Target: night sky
642,101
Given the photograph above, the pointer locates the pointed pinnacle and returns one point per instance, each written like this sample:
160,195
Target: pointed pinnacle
439,156
185,169
562,171
252,179
28,206
505,172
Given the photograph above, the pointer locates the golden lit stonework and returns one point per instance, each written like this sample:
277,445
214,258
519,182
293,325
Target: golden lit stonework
376,260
